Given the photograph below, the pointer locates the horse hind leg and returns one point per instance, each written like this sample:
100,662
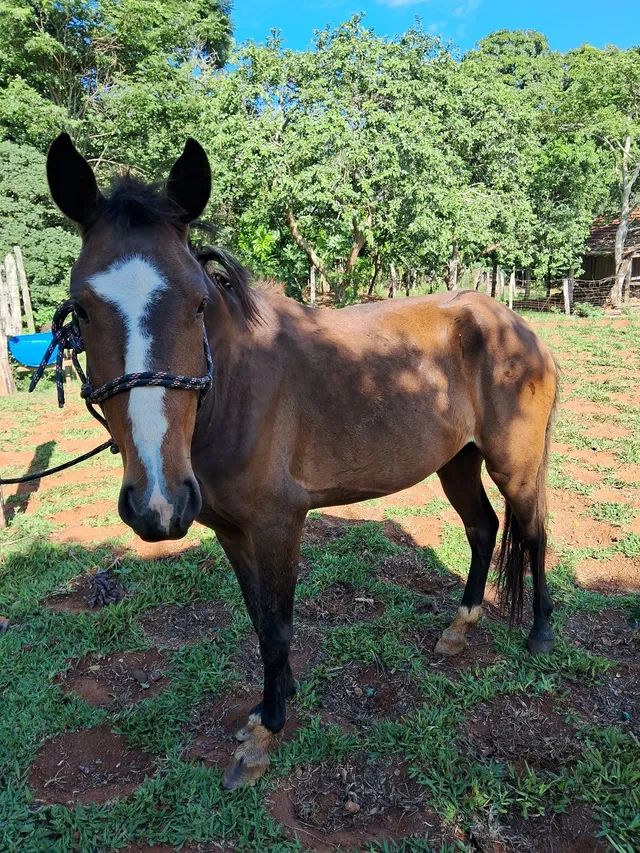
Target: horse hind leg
463,487
524,541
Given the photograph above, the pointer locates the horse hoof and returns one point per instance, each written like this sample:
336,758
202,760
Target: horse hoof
452,644
251,758
239,773
540,645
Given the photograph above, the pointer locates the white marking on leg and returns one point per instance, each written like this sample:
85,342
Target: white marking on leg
132,285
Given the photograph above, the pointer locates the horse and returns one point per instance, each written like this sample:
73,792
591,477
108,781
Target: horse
308,408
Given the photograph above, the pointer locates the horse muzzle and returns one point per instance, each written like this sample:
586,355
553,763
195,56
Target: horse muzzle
155,517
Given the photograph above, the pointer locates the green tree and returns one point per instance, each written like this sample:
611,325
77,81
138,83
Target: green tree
602,101
343,148
29,218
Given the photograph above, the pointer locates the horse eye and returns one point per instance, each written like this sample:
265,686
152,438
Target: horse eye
81,313
201,307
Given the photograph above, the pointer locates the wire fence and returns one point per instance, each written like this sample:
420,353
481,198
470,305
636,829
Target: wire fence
563,295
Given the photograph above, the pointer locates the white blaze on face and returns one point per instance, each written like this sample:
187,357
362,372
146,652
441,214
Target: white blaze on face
132,285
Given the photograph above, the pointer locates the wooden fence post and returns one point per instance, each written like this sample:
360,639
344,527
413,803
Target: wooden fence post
24,287
7,385
512,288
567,290
13,295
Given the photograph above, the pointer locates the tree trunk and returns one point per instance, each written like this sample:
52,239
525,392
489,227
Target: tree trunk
454,266
628,178
476,278
527,284
359,239
312,286
393,291
494,276
376,273
307,248
24,287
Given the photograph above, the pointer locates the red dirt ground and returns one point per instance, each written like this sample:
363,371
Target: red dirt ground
89,766
342,802
172,627
118,680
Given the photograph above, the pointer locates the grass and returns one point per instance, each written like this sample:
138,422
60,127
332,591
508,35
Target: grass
183,802
618,514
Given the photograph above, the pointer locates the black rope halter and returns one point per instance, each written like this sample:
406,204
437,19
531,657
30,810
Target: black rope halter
67,337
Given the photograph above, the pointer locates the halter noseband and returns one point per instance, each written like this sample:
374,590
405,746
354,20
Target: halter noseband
67,336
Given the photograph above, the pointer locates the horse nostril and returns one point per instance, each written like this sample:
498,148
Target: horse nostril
193,500
126,505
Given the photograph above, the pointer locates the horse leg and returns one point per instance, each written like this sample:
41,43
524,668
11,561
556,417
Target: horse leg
463,487
265,561
524,544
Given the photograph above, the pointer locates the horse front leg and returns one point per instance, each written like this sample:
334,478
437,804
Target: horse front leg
265,561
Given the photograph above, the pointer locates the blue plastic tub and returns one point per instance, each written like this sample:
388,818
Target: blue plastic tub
29,350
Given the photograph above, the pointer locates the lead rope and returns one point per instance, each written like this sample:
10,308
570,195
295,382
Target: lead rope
68,337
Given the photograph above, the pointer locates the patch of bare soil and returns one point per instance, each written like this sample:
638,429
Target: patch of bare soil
118,680
90,766
573,831
354,801
613,701
629,473
520,730
422,530
572,524
84,534
608,430
174,626
408,570
339,604
361,694
213,724
614,575
608,633
586,407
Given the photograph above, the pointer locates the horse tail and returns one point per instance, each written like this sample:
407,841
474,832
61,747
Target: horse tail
514,557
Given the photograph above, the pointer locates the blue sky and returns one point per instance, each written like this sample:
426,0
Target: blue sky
567,23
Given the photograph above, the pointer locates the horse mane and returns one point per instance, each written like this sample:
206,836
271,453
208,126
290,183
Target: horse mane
133,203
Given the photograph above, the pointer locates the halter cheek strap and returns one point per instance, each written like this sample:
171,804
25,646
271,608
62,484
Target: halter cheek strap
67,336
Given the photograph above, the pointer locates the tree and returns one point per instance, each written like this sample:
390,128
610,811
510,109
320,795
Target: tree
602,101
341,148
29,218
63,62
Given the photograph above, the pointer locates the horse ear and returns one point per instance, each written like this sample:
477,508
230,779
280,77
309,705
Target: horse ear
189,183
71,181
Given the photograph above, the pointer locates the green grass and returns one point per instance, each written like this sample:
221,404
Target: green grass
184,802
618,514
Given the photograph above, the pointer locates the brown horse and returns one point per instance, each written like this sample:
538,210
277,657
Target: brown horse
309,408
